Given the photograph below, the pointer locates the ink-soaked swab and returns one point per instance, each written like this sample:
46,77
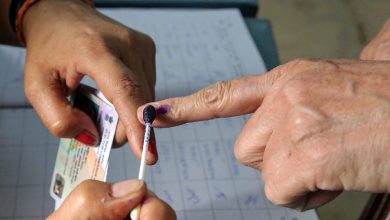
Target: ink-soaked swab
149,116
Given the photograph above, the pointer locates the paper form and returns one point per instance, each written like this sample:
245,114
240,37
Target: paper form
197,173
195,47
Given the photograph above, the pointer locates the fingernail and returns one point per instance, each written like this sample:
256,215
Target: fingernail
152,151
87,138
149,197
163,109
126,188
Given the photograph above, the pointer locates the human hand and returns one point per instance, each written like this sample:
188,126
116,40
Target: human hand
93,199
379,47
66,40
319,127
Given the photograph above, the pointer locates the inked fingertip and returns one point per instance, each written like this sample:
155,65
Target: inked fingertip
162,109
149,114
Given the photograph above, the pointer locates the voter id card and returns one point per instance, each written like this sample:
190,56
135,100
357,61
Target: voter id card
75,161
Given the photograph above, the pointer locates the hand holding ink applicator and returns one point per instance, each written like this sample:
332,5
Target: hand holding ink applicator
149,114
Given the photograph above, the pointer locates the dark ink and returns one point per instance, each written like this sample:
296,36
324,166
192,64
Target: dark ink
149,114
163,109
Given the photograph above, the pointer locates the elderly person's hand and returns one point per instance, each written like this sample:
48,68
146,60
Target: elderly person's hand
379,47
318,127
67,39
98,200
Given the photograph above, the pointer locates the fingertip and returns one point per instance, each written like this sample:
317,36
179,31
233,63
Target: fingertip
161,110
120,136
135,137
165,116
136,147
153,208
123,197
140,114
87,138
127,187
89,134
152,154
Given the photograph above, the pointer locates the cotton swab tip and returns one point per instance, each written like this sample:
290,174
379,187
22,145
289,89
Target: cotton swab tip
149,114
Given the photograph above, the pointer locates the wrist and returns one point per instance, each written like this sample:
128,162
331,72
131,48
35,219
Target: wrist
35,14
369,142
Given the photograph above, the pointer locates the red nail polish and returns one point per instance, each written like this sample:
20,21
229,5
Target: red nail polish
86,137
152,148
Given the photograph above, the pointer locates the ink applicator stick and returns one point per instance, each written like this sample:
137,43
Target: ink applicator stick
149,114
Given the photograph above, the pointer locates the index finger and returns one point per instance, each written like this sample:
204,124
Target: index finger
222,99
124,91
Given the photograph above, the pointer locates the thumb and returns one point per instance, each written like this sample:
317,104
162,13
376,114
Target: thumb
93,199
154,208
126,195
49,98
222,99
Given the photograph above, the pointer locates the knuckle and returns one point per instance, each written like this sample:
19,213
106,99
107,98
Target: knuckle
82,192
125,88
302,117
137,40
149,43
365,54
85,185
129,37
214,97
60,127
249,156
240,156
293,69
314,150
296,90
31,89
300,63
89,37
91,45
304,122
273,194
175,109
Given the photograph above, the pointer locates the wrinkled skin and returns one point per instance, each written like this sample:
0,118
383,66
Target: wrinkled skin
98,200
318,126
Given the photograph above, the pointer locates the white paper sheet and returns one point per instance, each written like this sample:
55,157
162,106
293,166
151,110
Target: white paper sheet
197,173
193,47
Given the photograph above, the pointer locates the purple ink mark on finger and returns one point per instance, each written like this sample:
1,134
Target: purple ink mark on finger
163,109
146,201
